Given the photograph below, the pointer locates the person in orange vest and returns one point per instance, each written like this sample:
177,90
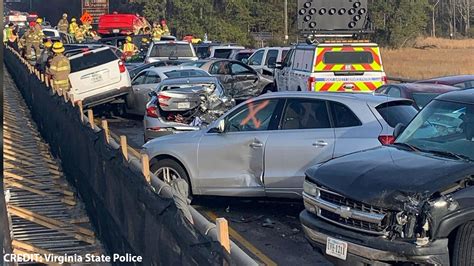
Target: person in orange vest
129,48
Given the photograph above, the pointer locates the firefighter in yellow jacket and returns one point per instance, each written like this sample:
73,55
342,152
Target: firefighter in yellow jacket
156,32
59,68
79,34
73,27
129,48
63,24
37,37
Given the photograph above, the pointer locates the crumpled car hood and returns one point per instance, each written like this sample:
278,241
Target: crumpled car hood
389,178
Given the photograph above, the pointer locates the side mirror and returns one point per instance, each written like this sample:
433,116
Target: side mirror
278,65
245,60
399,128
221,126
272,62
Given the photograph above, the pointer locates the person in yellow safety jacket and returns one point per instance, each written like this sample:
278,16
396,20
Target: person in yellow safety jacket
73,27
59,68
129,48
79,34
63,24
6,33
164,28
37,37
156,32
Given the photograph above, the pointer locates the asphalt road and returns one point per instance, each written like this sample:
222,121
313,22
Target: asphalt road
268,229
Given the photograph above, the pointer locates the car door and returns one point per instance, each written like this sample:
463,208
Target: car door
232,162
305,139
221,70
270,61
245,81
152,79
141,86
283,74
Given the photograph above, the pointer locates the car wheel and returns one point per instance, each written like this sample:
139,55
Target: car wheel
463,248
168,170
299,89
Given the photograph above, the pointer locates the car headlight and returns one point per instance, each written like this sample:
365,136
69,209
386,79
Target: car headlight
310,189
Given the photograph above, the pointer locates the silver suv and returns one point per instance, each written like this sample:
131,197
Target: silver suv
263,146
170,50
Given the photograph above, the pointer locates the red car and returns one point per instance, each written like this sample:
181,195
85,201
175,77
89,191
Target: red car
461,81
124,24
421,94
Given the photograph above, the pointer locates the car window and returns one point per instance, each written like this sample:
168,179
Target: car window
240,69
256,59
152,78
92,59
343,116
185,73
49,33
422,99
140,78
270,54
394,92
397,112
283,54
287,60
465,85
220,68
242,56
254,116
222,53
305,114
382,89
171,50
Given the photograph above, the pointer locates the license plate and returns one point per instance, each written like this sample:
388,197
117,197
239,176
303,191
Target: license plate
336,248
115,30
96,78
184,105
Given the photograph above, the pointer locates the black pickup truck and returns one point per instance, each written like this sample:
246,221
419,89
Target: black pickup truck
410,202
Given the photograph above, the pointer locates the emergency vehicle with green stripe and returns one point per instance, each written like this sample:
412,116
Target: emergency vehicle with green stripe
332,67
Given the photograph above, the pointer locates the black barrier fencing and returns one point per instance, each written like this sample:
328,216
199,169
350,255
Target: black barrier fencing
128,216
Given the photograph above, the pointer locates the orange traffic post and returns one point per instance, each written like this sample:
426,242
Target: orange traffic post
223,233
146,168
105,127
90,115
81,111
123,146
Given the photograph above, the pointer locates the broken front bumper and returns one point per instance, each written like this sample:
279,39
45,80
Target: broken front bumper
365,249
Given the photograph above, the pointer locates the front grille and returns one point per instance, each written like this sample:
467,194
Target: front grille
338,203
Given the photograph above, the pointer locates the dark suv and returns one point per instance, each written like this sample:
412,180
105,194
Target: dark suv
411,201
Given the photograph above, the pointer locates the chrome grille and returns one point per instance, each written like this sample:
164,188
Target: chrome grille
349,213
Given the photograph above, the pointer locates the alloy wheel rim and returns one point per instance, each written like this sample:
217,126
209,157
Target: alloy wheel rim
167,174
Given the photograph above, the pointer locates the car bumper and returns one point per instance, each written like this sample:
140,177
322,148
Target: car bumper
364,249
153,134
106,97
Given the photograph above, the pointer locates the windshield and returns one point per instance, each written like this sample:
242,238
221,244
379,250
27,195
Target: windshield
171,50
422,99
185,73
442,127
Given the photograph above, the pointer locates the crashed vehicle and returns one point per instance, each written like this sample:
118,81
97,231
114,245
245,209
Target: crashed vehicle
412,201
184,104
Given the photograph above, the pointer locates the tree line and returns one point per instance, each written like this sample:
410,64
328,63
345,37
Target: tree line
397,22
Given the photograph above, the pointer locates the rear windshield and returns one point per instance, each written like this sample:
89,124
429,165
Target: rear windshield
241,56
222,53
171,50
422,99
186,73
348,58
49,33
203,52
397,112
92,59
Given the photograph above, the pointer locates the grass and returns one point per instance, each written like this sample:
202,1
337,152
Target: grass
431,57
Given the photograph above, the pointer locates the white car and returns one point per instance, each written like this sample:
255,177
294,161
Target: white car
98,76
148,80
350,67
264,59
55,34
170,50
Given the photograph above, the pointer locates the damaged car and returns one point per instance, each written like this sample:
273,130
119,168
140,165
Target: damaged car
408,202
184,104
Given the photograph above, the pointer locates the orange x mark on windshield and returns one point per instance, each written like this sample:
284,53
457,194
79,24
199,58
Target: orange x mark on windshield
253,110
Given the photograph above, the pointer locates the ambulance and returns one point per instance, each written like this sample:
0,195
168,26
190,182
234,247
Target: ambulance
342,66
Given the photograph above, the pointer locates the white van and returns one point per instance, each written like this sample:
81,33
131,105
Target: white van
98,76
354,67
264,59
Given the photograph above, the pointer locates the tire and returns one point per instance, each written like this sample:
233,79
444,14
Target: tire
299,89
175,167
463,248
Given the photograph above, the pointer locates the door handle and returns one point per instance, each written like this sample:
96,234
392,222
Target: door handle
256,145
320,143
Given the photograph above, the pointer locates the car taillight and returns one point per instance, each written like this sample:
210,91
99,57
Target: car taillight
121,67
151,111
384,80
163,100
386,139
311,81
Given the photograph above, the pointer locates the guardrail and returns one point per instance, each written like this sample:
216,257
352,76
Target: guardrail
113,181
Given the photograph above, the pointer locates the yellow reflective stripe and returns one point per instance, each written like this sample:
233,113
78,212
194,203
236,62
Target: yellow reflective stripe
336,86
362,86
61,82
53,67
358,67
